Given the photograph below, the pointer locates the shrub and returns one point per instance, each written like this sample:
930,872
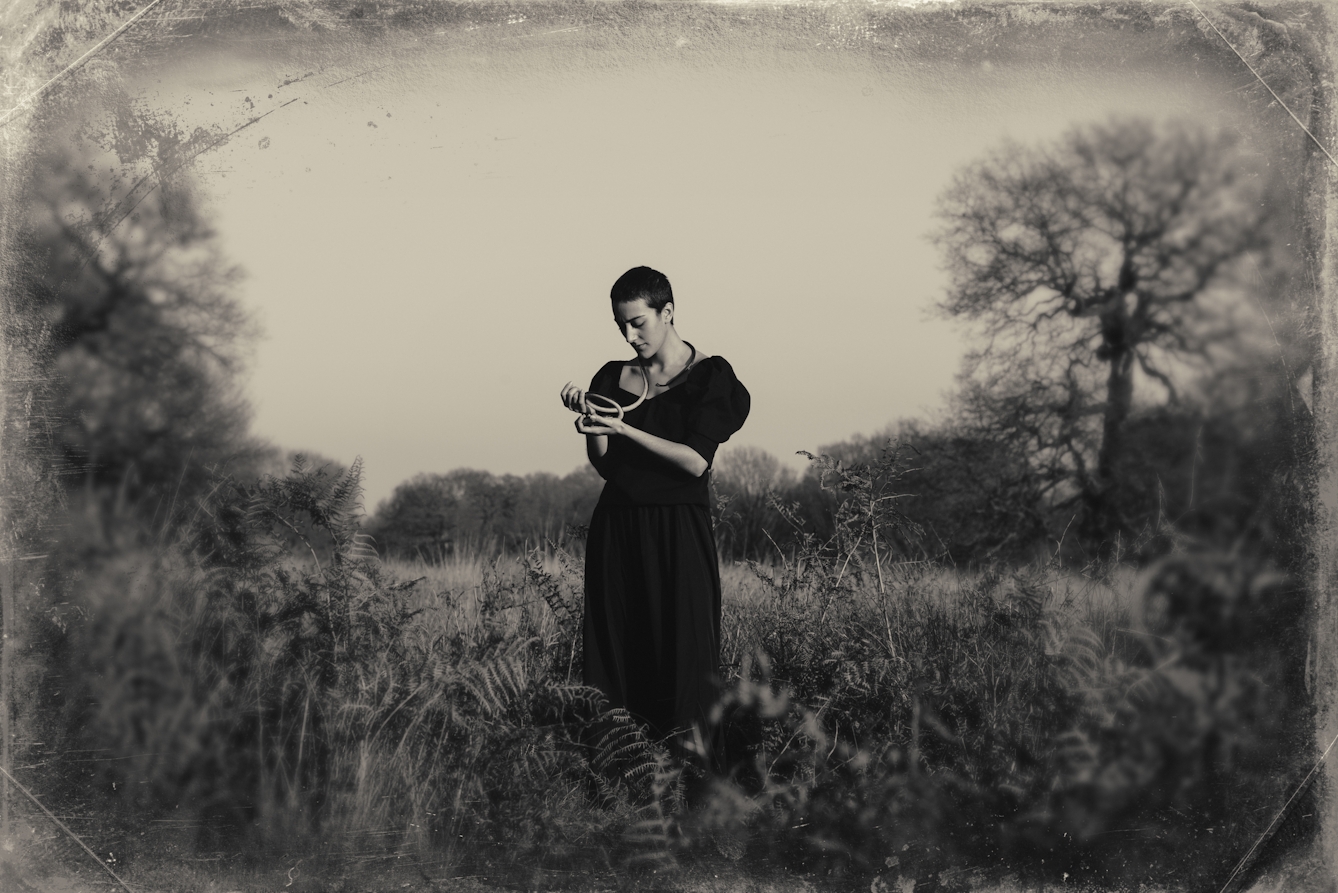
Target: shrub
904,726
302,697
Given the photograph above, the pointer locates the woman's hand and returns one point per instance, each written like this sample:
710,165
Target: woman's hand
573,397
589,422
601,426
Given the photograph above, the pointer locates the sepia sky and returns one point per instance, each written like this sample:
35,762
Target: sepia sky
429,235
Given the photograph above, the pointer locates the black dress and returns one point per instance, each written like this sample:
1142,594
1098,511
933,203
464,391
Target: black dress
651,632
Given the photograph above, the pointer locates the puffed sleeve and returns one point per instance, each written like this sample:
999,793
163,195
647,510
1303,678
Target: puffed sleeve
719,409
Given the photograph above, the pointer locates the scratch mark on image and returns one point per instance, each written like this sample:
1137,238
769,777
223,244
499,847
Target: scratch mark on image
358,75
75,65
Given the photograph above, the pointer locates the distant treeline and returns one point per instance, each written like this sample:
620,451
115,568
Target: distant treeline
435,517
1227,471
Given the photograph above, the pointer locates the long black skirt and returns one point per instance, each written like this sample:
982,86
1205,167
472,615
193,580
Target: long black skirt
651,632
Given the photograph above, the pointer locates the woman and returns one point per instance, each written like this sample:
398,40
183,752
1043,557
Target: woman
652,582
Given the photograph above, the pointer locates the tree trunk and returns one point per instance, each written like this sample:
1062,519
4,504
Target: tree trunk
1100,493
1119,401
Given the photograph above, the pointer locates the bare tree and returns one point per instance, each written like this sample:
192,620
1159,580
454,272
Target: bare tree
747,476
1088,264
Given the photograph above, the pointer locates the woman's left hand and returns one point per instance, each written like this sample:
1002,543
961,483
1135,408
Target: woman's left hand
599,425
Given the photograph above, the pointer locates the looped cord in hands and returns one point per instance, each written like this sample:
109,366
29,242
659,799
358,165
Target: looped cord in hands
612,408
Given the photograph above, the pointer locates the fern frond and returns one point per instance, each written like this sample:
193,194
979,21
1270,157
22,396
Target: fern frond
503,682
572,703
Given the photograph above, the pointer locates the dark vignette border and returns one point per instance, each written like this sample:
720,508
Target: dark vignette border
1291,44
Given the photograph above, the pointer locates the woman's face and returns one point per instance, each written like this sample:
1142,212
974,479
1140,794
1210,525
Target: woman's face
644,328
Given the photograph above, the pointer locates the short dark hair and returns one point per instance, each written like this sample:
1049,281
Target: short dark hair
649,285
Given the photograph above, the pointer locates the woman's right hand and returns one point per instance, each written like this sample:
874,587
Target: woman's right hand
573,398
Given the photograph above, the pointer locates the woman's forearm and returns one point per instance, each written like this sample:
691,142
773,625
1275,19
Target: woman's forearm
596,445
597,431
680,454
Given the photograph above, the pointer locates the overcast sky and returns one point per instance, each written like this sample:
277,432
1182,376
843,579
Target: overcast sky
429,236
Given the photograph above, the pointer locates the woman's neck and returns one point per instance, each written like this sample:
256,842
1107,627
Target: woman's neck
672,356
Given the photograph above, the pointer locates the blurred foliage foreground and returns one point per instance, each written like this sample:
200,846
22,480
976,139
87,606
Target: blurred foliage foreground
263,684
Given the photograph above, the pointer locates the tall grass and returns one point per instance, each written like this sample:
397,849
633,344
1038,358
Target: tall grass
268,681
1102,726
